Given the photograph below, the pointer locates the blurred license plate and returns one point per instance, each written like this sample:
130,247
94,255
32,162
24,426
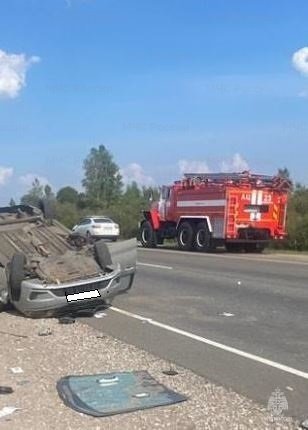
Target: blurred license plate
83,296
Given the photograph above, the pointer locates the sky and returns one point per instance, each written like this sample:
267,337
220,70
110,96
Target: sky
168,86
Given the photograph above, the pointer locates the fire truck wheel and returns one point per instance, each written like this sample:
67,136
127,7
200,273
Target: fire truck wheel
147,235
185,236
203,238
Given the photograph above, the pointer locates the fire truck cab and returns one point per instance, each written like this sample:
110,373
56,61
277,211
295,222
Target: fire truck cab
201,211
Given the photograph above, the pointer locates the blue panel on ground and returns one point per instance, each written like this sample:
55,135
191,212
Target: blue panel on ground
113,393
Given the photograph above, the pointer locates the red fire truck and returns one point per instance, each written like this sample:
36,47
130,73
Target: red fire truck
242,211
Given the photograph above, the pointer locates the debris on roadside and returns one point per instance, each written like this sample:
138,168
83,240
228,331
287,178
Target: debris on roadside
115,393
79,349
16,370
100,314
66,320
170,372
7,410
45,332
304,425
226,314
6,390
101,336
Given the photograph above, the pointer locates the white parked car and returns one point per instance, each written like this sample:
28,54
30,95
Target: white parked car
97,227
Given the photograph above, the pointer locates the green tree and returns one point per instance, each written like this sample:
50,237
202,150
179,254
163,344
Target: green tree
132,191
68,195
34,195
102,181
67,214
128,210
12,202
297,219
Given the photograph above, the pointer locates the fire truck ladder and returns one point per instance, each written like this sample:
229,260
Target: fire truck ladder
220,177
244,177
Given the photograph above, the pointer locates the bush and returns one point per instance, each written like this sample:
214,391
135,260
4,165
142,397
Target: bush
67,214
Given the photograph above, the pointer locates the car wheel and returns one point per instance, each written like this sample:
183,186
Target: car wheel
102,254
185,236
3,289
89,237
16,275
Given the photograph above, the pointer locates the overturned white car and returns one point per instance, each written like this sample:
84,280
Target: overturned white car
45,271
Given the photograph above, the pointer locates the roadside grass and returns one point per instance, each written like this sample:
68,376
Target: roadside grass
285,251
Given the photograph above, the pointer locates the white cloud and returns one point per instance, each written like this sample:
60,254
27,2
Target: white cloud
28,179
5,174
193,166
236,164
13,68
300,60
135,172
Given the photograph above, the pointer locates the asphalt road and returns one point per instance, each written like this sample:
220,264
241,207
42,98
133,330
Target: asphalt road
238,320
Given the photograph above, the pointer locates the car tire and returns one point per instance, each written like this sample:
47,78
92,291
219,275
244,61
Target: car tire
147,235
185,236
102,254
203,238
16,275
3,289
89,237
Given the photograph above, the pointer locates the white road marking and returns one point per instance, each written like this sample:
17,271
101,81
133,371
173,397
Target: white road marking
226,314
215,344
157,266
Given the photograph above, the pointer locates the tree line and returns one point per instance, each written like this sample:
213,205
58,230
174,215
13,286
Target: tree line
104,194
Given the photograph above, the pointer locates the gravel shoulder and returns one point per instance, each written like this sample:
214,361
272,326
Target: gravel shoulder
79,349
